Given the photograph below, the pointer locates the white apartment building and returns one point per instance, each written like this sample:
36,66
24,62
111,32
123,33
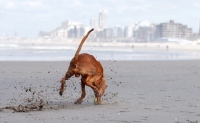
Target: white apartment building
102,19
128,31
173,30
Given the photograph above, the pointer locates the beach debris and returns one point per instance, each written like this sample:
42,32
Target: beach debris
191,121
43,97
21,108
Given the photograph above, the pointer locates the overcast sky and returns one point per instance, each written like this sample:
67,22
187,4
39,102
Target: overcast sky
28,17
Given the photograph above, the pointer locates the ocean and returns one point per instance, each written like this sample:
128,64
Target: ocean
60,52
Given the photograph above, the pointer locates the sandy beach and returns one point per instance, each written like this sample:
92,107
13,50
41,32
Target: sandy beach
138,92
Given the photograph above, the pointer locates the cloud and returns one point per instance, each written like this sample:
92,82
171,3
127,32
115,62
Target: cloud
34,4
122,8
49,13
7,4
11,4
197,5
141,7
77,3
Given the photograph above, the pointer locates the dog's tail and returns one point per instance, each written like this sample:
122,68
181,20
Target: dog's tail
81,44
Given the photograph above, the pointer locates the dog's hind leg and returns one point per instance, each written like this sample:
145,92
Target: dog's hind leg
98,96
89,81
79,101
99,99
63,81
101,87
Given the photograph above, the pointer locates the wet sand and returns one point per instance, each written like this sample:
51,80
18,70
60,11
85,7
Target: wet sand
138,91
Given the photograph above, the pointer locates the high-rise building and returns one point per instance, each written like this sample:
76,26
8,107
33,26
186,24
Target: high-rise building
128,31
93,23
199,27
118,32
102,19
173,30
68,23
144,34
144,31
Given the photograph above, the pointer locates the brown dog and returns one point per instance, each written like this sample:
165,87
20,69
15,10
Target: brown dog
91,73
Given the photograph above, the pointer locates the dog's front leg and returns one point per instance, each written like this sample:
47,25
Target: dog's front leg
79,101
63,81
62,87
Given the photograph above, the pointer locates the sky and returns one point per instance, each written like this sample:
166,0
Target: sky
27,17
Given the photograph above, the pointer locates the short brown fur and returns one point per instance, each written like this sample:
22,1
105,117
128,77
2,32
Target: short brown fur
90,70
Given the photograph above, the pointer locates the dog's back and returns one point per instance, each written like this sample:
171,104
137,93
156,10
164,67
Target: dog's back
88,65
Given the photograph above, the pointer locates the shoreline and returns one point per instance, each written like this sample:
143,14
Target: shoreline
182,46
61,51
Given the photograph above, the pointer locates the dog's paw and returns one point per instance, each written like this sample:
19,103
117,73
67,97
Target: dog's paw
61,93
101,103
78,102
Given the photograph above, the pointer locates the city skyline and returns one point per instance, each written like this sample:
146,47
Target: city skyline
27,18
139,32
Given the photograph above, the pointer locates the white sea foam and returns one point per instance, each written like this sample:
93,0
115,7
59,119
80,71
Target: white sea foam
58,52
53,47
8,45
107,49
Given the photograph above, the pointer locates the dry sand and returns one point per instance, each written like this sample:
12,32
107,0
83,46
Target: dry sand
138,91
